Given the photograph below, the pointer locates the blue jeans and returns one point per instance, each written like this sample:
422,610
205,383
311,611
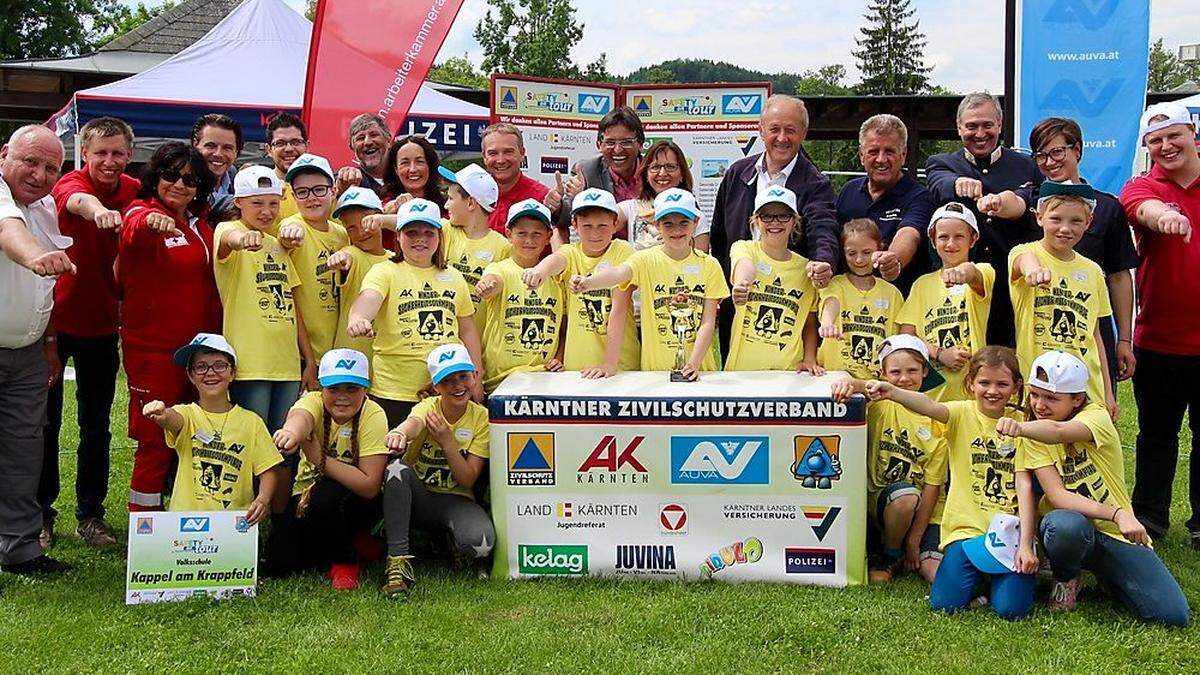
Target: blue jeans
1134,574
954,587
269,400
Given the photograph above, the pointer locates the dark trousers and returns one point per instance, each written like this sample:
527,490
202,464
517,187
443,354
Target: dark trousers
96,362
324,535
1165,387
23,377
395,411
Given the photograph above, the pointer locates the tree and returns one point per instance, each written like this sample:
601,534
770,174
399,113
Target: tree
458,70
890,54
1167,71
32,29
125,19
534,37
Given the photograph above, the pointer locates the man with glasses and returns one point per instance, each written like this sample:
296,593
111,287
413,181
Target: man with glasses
620,138
984,167
287,139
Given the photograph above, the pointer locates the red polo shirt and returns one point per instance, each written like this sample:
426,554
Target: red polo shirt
1168,285
85,303
526,188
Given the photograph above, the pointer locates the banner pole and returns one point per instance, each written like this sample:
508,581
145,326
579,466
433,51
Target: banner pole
1010,72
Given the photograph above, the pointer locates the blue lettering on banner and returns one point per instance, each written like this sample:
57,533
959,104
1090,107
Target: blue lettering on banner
193,524
810,560
627,409
447,134
720,460
741,104
594,104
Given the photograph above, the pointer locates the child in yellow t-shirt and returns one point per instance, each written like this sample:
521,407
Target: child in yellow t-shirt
332,502
311,180
597,343
222,447
905,508
444,442
949,308
420,303
681,290
774,324
471,244
352,263
256,278
857,310
1073,450
1059,297
524,331
989,488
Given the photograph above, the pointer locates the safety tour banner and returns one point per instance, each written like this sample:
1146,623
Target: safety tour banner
178,555
636,476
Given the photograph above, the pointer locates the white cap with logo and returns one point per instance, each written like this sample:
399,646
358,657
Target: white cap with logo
356,196
421,211
344,366
448,359
1059,373
1174,111
206,342
256,180
476,182
995,552
775,195
594,198
528,208
676,200
311,163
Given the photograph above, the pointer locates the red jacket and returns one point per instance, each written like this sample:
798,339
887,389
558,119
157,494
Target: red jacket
168,292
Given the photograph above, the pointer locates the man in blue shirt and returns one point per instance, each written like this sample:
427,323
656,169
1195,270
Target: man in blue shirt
897,203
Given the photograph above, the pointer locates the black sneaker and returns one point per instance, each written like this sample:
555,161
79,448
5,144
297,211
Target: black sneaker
43,565
881,568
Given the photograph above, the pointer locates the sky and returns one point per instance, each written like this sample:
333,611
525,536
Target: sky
965,37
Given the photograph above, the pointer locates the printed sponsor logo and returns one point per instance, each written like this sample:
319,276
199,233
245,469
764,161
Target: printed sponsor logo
643,559
643,105
547,559
508,98
614,462
591,515
673,519
531,458
820,519
549,101
696,106
741,104
145,525
195,546
759,511
809,560
721,460
745,552
193,524
594,104
817,461
555,164
241,524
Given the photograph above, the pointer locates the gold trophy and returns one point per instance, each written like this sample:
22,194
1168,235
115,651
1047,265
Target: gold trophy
681,321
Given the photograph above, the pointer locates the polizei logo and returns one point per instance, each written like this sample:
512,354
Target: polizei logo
643,559
552,559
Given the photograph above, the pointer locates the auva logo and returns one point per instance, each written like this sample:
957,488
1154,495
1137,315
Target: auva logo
347,364
592,197
1068,95
720,460
1089,13
559,559
593,104
672,198
741,104
187,524
419,208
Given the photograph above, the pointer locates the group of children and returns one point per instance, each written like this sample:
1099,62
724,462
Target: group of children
458,308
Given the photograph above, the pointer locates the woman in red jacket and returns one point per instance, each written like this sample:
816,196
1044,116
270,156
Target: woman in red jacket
168,294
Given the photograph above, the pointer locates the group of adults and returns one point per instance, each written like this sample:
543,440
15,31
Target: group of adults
96,261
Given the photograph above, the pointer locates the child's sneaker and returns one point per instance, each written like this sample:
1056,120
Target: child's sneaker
398,577
344,576
1064,596
881,569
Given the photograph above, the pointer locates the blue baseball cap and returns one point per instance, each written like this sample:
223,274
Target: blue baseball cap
995,551
1066,188
204,341
676,200
344,366
447,360
419,211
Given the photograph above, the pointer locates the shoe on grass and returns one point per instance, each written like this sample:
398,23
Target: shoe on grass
398,579
46,536
344,576
96,533
1064,596
1195,535
41,566
881,569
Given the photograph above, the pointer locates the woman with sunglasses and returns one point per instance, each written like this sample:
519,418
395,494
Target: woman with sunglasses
168,294
663,167
1057,144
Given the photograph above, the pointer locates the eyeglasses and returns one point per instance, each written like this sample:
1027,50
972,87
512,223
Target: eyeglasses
662,168
623,143
315,191
776,218
218,367
1056,154
294,142
173,176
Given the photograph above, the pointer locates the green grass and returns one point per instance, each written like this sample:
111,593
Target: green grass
79,622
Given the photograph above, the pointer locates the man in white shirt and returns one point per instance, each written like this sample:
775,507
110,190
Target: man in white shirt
33,254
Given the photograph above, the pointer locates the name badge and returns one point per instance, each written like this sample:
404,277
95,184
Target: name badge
175,242
691,269
203,436
462,434
344,433
881,303
484,255
763,268
957,289
443,276
603,265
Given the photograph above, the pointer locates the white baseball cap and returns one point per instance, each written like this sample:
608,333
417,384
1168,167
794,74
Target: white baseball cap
953,210
204,341
775,195
594,198
676,200
357,197
528,208
996,551
905,341
1174,111
419,210
310,163
1059,373
342,366
447,360
256,180
476,182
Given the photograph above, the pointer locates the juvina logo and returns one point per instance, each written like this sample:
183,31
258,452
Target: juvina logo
641,557
737,553
548,559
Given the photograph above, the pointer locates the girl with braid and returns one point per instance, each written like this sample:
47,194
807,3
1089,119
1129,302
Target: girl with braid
331,501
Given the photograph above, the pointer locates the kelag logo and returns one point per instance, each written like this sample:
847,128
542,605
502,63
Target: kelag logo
557,559
741,104
720,460
810,560
594,104
187,524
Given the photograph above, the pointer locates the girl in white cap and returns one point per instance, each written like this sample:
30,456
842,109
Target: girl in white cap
775,323
949,308
444,448
681,289
421,303
332,503
1074,451
352,263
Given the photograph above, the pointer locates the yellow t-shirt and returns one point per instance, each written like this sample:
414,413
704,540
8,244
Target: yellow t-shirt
471,257
1062,317
426,456
421,310
219,456
259,314
982,472
588,313
953,316
524,326
339,444
287,208
768,331
867,319
349,284
318,293
660,277
1095,470
900,446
